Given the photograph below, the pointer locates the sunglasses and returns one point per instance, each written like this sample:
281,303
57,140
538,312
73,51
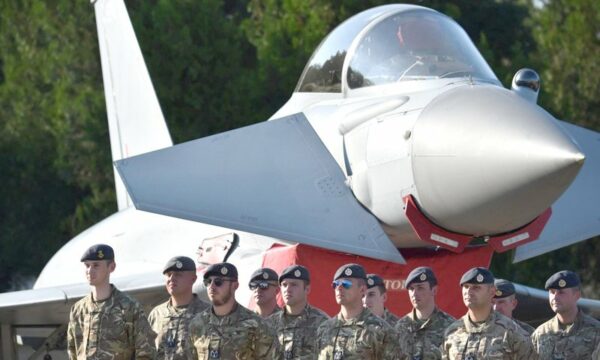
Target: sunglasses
346,284
216,281
258,285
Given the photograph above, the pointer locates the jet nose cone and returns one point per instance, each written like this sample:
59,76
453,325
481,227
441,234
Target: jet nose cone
485,161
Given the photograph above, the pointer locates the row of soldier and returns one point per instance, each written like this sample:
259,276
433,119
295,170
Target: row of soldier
108,324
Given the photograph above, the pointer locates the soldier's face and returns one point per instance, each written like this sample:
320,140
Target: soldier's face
422,295
222,294
294,291
505,305
478,296
180,282
97,272
374,299
265,296
563,300
352,295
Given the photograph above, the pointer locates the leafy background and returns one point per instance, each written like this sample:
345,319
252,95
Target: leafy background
218,65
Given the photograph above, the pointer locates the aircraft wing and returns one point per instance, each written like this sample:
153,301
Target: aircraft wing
273,178
51,306
576,214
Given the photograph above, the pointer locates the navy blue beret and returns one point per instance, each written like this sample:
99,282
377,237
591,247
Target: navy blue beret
477,275
180,263
504,288
421,274
264,274
221,269
98,252
350,271
295,272
563,279
374,280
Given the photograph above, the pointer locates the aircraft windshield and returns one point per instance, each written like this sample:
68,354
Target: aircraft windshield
415,45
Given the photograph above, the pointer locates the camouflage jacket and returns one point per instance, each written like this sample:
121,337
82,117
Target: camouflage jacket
171,325
578,342
366,337
296,333
596,354
390,318
240,335
112,329
497,338
525,326
423,340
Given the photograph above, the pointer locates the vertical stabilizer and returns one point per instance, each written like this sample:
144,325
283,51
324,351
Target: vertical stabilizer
135,120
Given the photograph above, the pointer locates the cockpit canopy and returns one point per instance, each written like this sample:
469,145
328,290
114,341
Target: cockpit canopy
390,44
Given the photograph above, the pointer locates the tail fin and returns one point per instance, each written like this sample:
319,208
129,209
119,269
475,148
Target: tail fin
135,120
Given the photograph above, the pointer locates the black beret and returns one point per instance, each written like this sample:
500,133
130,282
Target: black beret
421,274
180,263
374,280
221,269
350,271
99,252
264,274
477,275
295,272
563,279
504,288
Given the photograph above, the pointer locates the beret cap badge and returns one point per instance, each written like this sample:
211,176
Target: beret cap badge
498,292
224,270
265,276
479,278
423,277
562,283
178,264
297,273
371,282
348,271
100,254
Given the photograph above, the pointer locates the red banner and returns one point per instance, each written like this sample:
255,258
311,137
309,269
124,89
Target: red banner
322,264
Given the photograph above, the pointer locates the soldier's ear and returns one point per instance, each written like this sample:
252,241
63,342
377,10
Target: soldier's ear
112,266
307,287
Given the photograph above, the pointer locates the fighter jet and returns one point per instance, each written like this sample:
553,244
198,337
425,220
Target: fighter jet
398,135
397,130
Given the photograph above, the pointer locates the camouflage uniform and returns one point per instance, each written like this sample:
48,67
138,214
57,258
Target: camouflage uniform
390,318
240,335
497,338
112,329
422,339
362,338
596,354
525,326
171,324
296,333
576,342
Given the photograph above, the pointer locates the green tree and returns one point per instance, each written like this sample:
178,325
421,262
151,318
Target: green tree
202,66
54,175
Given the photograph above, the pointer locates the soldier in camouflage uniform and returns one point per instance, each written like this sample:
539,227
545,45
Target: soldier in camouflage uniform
227,330
505,302
264,286
355,333
422,330
570,334
376,297
483,333
296,326
171,319
107,324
